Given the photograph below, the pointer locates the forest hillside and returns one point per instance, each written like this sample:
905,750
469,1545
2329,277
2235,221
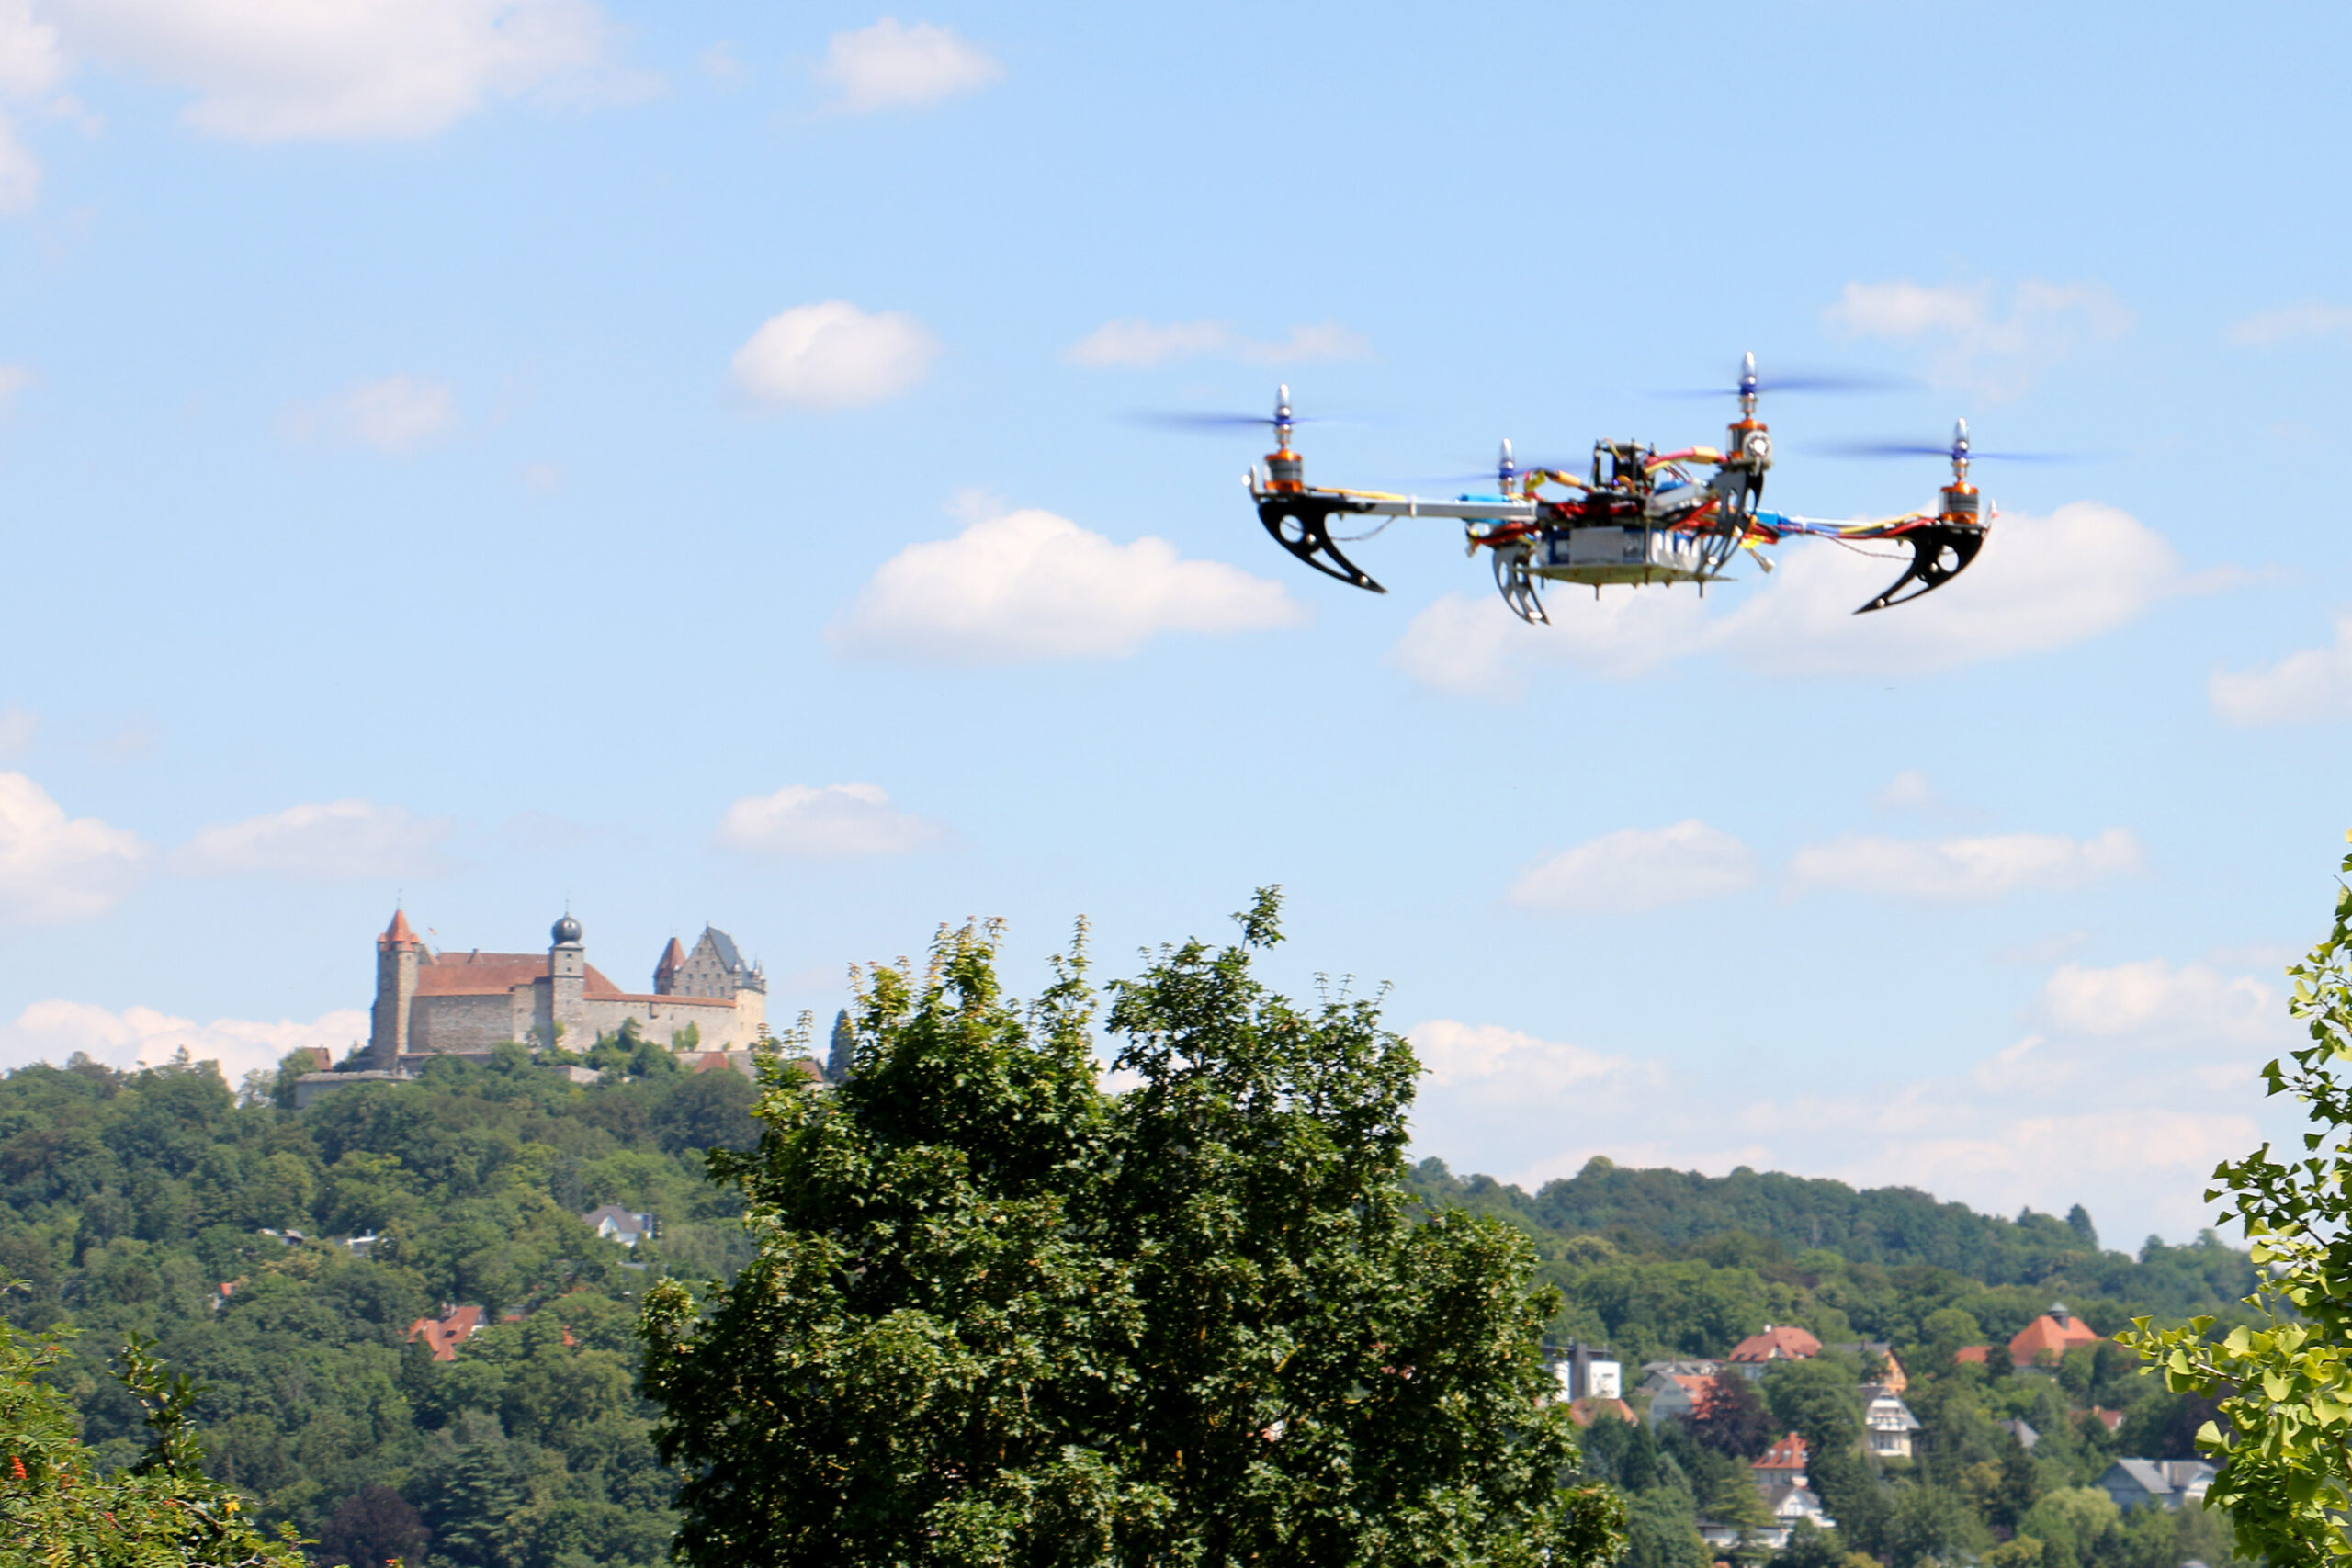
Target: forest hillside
288,1257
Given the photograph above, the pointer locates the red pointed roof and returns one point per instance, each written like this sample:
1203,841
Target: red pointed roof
673,958
398,933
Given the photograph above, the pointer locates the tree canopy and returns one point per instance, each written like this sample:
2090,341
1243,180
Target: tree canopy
2282,1387
999,1313
58,1509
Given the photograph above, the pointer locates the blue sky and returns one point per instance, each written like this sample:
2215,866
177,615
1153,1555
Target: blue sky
485,451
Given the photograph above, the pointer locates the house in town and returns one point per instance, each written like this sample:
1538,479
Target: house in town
1677,1395
615,1224
1780,1477
1588,1371
1779,1342
2166,1483
443,1334
1592,1407
1879,1364
1887,1422
2045,1341
1781,1481
1657,1376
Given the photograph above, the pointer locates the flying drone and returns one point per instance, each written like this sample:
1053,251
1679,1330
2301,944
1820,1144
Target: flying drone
1639,516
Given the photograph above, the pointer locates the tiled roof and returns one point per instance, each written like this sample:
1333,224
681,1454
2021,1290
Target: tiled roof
443,1337
1588,1410
1777,1344
398,933
726,946
2055,1331
479,974
1787,1454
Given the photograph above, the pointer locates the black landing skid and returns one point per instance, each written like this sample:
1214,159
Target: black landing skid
1939,552
1304,528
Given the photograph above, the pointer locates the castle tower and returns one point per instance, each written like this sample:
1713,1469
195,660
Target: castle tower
665,973
397,954
567,985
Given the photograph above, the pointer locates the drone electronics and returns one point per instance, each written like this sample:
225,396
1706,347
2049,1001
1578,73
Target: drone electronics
1639,515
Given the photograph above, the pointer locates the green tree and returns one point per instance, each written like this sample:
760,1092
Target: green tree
1814,1399
1730,1417
2283,1422
1008,1317
2016,1491
1928,1523
1943,1333
1731,1499
57,1510
1660,1532
841,1048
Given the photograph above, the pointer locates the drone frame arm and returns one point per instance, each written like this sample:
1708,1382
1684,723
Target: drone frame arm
1300,521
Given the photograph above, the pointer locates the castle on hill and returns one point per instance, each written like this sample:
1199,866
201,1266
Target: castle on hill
431,1003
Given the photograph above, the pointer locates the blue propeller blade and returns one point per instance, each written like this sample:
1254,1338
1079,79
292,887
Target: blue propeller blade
1799,384
1220,420
1927,449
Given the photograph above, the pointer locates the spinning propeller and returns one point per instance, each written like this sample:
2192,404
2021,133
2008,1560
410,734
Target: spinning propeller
1750,384
1282,421
1961,452
1506,473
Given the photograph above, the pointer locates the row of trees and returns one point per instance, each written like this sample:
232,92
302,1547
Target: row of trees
972,1307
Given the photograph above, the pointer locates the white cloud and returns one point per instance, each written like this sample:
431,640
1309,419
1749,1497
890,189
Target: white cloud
19,172
281,70
2295,323
1470,645
53,868
889,65
1638,868
1132,341
1031,585
721,64
395,415
2135,1080
31,62
2040,584
1461,1056
53,1030
31,65
1908,790
400,414
338,840
2154,1000
17,727
1974,345
835,822
1952,869
2304,687
834,356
